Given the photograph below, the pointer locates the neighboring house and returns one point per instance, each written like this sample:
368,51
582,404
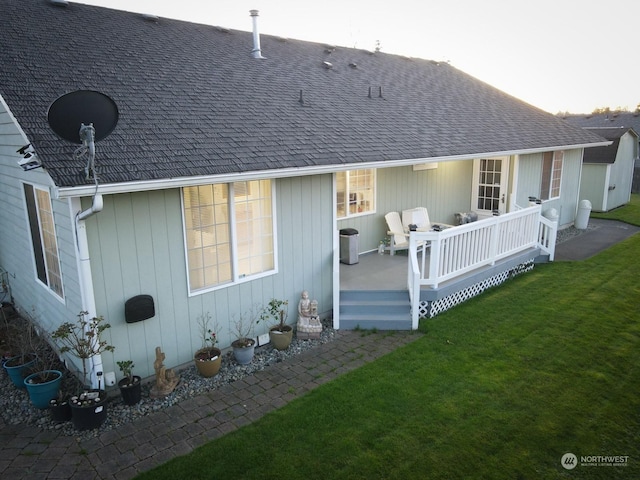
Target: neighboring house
607,172
612,120
228,177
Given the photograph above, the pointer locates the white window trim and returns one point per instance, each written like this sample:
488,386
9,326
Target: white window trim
374,196
236,280
550,186
46,286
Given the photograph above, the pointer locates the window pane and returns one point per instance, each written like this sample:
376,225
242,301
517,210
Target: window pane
207,226
545,183
210,246
556,174
355,192
252,211
44,239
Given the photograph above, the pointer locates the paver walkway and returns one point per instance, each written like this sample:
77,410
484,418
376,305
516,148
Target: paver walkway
28,452
602,235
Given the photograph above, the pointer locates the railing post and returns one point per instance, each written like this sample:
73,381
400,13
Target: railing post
493,243
413,281
434,261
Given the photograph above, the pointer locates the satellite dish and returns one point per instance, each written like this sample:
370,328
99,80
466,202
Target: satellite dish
70,111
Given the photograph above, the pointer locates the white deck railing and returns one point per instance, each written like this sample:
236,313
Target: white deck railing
459,250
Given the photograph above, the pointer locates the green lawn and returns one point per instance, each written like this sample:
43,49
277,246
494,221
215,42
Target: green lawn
629,213
498,388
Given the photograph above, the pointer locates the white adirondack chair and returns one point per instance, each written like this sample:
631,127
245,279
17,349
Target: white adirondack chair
398,235
418,216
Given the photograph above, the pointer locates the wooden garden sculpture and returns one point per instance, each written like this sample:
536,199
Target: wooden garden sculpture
166,379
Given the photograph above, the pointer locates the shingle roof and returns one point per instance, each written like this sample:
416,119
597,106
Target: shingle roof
607,120
605,154
192,100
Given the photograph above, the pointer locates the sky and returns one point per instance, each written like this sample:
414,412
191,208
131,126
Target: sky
558,55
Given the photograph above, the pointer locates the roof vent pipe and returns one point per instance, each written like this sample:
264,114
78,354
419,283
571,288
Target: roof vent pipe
256,52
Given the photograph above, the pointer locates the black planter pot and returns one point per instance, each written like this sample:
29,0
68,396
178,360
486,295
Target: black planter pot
88,414
131,394
60,412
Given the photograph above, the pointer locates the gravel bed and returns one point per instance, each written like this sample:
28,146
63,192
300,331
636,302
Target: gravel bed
571,232
16,408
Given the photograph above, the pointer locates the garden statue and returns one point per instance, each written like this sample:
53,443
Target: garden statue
309,325
166,379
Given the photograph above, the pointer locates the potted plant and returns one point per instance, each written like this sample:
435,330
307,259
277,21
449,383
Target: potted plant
43,384
18,366
60,408
82,339
208,358
43,377
131,385
280,334
244,343
20,350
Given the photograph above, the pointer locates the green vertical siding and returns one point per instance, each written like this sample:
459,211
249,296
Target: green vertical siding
444,191
16,253
137,247
622,172
598,177
529,179
592,187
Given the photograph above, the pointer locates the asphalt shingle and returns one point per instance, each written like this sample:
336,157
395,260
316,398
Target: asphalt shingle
193,101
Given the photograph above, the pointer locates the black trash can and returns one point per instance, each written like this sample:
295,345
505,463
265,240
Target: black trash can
349,245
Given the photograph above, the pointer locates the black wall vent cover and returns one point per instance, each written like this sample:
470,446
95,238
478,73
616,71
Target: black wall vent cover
139,308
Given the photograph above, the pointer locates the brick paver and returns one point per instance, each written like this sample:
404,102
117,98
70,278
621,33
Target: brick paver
27,452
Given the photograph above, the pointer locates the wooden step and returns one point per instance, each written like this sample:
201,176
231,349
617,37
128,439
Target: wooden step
375,309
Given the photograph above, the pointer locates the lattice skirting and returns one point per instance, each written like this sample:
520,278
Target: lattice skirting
432,308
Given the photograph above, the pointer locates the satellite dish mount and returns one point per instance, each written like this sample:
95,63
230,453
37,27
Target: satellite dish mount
88,136
84,117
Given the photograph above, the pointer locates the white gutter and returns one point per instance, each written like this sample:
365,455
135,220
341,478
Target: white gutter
178,182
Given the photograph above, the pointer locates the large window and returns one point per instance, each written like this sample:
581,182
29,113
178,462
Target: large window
551,175
43,238
229,232
356,192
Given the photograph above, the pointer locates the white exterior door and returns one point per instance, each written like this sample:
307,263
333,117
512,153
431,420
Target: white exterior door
490,186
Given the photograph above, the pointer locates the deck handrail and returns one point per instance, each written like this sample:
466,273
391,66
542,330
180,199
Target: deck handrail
456,251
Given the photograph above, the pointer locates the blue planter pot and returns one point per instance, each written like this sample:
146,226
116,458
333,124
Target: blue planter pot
243,355
42,393
17,371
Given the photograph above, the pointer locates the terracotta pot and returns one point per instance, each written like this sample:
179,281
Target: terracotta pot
281,339
206,365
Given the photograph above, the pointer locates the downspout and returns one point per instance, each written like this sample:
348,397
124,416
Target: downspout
84,266
336,256
86,279
575,212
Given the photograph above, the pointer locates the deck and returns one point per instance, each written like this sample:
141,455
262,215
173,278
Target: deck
389,272
458,264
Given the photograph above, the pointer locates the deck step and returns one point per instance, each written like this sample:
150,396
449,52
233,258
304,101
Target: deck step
379,309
